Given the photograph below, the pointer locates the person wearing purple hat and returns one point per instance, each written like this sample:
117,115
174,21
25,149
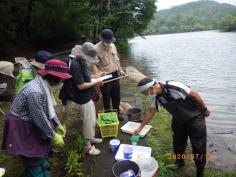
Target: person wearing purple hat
109,63
31,125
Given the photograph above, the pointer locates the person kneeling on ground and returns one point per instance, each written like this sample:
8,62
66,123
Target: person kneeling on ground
32,124
80,89
188,117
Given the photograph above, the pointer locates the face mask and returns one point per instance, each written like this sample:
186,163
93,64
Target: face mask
152,95
107,44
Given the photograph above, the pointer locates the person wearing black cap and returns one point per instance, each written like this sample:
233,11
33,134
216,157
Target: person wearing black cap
188,117
109,63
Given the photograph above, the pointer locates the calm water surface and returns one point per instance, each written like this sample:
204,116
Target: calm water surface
206,61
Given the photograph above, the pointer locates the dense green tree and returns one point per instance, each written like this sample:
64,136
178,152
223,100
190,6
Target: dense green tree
58,21
228,23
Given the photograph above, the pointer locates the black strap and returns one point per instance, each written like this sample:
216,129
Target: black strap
165,92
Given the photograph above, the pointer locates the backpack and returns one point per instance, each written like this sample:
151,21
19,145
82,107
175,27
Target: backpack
24,76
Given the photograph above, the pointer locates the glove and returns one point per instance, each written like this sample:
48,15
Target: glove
60,130
58,140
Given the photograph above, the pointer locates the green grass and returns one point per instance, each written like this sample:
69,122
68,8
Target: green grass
160,140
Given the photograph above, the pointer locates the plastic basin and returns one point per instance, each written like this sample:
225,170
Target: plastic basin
134,114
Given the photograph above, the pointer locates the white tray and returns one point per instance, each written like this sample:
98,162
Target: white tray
130,127
138,152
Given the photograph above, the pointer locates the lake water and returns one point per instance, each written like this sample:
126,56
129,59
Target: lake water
205,61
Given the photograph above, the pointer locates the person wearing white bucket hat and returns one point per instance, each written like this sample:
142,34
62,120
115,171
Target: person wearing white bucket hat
188,112
7,68
80,89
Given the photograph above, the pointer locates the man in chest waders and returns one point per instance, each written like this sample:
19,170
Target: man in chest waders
188,117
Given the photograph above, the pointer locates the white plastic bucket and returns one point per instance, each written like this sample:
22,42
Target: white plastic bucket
148,166
2,172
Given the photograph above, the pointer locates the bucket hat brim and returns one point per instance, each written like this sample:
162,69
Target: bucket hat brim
87,57
37,64
107,40
44,72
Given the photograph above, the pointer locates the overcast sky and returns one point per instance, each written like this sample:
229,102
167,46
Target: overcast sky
164,4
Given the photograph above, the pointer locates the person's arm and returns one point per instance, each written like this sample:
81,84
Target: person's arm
38,116
95,69
87,85
78,77
117,60
199,100
148,116
122,73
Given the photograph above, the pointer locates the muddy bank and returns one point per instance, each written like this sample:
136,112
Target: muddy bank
222,149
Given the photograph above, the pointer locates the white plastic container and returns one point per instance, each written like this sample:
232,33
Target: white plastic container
138,152
148,166
2,172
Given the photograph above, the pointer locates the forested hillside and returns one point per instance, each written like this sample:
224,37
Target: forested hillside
228,23
194,16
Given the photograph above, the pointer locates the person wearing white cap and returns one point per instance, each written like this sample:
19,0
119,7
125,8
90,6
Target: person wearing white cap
80,89
188,112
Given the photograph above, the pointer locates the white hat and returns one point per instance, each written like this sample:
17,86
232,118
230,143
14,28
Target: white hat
7,68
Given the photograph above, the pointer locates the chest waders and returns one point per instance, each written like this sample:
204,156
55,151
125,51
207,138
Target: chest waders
187,121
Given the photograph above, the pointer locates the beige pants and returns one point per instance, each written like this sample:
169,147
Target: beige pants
88,116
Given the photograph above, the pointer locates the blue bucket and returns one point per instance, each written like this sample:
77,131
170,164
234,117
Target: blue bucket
128,151
114,145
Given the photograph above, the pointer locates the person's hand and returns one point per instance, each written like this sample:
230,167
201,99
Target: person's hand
98,82
98,74
60,130
137,131
58,140
122,73
206,112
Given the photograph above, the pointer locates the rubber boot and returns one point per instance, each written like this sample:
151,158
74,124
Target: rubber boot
34,171
200,172
45,168
179,163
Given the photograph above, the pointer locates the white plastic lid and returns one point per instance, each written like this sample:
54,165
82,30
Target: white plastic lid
115,142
